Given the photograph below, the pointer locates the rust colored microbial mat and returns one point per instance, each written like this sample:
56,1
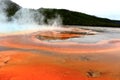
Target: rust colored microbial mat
66,54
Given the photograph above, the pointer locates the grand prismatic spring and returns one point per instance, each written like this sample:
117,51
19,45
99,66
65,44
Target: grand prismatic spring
54,55
29,51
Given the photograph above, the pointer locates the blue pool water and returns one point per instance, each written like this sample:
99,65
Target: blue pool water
11,28
104,34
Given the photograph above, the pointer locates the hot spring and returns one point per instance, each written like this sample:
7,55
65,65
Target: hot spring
28,21
10,28
62,34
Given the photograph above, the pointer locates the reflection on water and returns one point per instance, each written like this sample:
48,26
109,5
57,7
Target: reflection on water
103,34
11,28
23,54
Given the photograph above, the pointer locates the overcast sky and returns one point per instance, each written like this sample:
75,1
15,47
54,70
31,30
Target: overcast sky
102,8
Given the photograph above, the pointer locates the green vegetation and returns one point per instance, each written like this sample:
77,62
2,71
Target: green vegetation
77,18
68,17
12,7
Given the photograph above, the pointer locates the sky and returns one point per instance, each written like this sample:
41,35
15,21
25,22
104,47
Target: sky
101,8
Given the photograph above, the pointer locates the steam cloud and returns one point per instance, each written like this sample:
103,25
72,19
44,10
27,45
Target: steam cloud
3,7
27,16
24,19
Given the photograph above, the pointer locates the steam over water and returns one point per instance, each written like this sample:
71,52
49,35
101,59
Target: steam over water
104,33
23,20
31,20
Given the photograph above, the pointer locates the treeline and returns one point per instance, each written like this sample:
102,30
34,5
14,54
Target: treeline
68,17
9,7
77,18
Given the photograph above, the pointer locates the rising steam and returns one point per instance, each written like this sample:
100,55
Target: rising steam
24,19
28,16
3,7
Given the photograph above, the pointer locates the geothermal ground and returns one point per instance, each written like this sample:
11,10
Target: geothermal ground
73,53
